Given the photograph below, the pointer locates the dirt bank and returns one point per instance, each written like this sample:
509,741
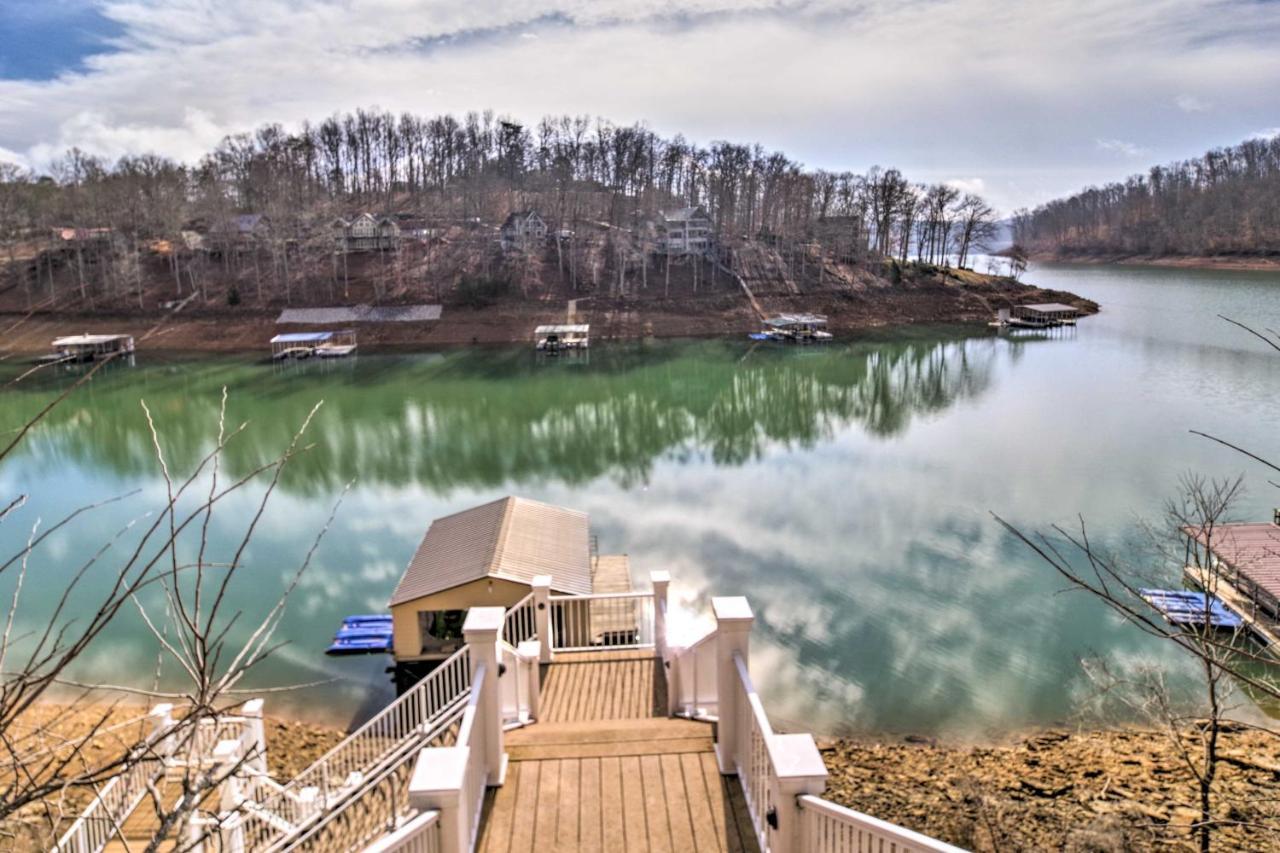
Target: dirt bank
949,297
1098,791
1200,262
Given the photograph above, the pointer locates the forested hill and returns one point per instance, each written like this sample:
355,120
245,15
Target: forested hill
1226,202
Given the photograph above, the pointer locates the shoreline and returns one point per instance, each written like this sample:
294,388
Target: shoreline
973,301
1193,262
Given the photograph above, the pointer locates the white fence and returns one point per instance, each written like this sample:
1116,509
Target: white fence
829,828
419,835
691,680
101,819
621,620
410,719
521,622
518,683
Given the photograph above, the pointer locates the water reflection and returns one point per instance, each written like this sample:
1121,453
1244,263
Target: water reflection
483,418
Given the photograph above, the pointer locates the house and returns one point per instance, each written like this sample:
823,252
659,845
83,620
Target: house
523,229
484,556
686,231
413,227
366,233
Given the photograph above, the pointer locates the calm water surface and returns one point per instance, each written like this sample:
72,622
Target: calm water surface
847,490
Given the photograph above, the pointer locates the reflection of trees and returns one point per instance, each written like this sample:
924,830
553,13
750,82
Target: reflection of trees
479,418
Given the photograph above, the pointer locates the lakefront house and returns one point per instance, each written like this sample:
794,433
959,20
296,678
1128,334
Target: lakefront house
366,233
523,229
686,231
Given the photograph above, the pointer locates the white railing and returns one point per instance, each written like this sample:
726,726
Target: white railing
621,620
378,806
421,834
101,819
830,828
471,737
521,622
516,685
756,767
691,679
410,719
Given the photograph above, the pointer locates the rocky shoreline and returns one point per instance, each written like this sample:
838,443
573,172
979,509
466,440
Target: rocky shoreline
1254,263
1113,789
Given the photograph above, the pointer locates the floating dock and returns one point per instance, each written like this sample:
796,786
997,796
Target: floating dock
565,336
299,345
1240,563
1191,609
90,347
362,635
794,328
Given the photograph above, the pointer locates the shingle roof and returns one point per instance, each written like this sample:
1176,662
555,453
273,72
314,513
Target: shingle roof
512,538
1250,549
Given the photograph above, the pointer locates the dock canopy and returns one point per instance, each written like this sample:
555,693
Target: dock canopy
1050,309
779,321
1251,553
512,539
302,338
568,329
87,340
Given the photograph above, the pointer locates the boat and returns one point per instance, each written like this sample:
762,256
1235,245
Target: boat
363,634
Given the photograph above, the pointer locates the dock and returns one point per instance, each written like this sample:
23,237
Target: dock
1240,564
77,348
1192,609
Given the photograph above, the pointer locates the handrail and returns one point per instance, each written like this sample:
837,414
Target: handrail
828,827
521,622
598,596
616,620
406,722
756,765
689,668
419,834
90,832
366,793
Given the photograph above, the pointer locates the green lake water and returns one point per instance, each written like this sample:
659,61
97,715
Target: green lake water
847,490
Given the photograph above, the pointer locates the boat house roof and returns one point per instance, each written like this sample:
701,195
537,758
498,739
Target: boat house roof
1251,549
564,329
87,340
1051,308
302,337
779,320
513,539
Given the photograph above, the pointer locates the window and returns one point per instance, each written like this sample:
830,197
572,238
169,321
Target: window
441,630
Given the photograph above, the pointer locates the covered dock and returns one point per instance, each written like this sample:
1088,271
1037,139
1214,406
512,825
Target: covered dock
91,347
797,327
1240,563
306,344
1044,315
563,336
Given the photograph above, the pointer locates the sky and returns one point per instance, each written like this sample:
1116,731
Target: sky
1023,102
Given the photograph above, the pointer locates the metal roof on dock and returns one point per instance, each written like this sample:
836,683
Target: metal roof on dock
302,337
1051,308
1252,549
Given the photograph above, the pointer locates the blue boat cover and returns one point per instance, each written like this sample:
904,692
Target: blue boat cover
1186,607
365,634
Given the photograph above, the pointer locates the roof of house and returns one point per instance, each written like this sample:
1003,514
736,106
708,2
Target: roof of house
515,215
513,538
685,214
1250,549
247,223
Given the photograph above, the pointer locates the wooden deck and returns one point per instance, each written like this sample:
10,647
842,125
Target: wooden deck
603,771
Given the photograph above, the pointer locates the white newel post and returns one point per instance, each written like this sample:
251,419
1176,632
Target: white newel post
530,653
480,630
225,756
161,720
439,777
542,614
257,735
660,580
800,770
733,635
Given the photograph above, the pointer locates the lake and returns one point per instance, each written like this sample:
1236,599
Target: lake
847,490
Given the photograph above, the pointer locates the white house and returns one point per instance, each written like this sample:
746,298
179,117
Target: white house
523,229
366,233
688,230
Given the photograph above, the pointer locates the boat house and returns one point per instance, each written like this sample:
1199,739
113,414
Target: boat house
1044,315
490,556
91,347
306,344
801,328
561,337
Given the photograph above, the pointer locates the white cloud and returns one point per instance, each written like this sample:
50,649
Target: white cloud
1119,146
1269,133
968,185
1192,104
803,76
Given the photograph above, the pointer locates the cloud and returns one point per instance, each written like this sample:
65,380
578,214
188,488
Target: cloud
1269,133
801,76
1119,146
977,186
1192,104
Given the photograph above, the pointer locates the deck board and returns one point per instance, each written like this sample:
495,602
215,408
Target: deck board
599,772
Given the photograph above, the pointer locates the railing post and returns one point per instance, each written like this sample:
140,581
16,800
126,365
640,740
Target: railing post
480,630
542,615
660,581
530,653
733,634
252,711
800,770
160,719
438,782
226,755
